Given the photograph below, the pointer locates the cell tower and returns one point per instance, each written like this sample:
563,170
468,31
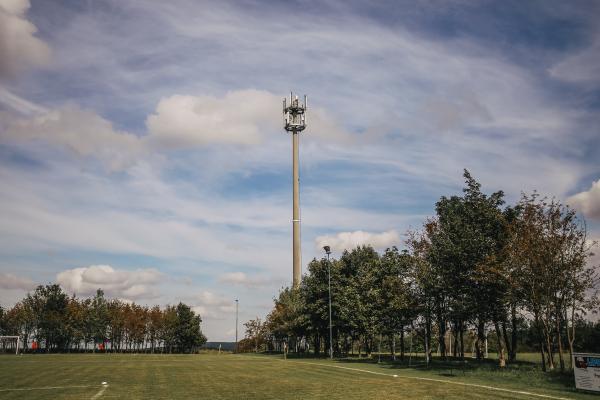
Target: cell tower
295,122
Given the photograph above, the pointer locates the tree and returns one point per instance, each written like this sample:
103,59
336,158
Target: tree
49,305
466,242
155,326
358,293
550,252
98,318
115,311
188,334
255,332
397,301
76,322
288,319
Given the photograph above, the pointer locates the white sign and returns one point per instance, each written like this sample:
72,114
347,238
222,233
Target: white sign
587,371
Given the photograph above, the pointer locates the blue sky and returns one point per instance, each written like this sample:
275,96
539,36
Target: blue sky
142,149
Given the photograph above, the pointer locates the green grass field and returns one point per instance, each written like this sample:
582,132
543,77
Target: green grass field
228,376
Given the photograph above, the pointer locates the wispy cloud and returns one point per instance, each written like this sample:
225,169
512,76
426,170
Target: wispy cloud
213,306
243,279
10,281
582,66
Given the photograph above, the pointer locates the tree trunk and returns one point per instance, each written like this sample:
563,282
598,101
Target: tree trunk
455,339
506,338
427,339
571,334
548,343
514,333
402,344
501,359
442,337
480,338
462,341
559,339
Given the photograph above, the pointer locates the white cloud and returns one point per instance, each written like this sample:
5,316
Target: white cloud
212,306
349,240
243,117
19,48
10,281
239,117
125,284
19,104
588,202
242,279
83,132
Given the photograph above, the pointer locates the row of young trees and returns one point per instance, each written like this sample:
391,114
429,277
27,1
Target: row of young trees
478,269
49,320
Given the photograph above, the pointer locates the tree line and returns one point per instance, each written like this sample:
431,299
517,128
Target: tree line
49,320
517,275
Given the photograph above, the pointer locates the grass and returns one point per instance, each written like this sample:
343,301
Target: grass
228,376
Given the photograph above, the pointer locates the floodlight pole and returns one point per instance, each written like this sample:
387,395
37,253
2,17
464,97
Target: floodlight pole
295,122
328,252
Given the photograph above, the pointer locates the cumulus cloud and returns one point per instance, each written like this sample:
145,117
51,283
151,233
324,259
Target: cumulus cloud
10,281
83,132
242,279
119,283
19,48
213,306
349,240
588,202
239,117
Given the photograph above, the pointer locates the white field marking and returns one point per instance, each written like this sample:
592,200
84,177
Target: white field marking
100,393
546,396
47,388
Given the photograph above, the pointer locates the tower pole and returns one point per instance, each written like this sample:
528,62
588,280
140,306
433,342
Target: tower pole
236,324
296,209
295,122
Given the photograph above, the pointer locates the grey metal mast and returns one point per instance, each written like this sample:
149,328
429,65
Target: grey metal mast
295,122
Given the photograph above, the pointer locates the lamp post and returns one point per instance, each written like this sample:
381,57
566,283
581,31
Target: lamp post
236,324
328,252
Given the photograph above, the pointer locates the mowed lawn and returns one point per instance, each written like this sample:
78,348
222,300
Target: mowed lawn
228,376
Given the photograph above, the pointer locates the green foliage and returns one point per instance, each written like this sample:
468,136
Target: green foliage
187,333
477,270
59,323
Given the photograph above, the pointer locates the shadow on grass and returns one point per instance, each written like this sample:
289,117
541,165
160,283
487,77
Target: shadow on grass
524,372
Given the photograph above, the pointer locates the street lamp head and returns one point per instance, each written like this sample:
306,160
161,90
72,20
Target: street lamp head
327,249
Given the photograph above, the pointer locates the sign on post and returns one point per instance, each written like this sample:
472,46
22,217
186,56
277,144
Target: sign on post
587,371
